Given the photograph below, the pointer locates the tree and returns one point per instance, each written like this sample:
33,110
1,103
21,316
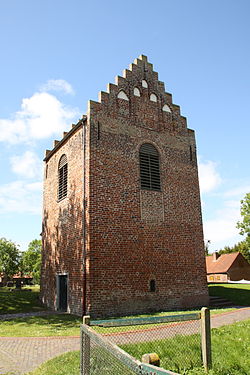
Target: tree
31,260
9,258
242,247
206,246
244,226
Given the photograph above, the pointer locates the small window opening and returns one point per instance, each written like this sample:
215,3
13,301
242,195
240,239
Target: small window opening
137,92
62,177
153,98
166,108
122,95
152,286
98,131
144,84
149,168
191,153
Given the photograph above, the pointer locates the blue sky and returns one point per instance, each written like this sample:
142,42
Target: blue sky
56,55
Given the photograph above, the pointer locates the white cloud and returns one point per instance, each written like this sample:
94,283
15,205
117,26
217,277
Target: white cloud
35,186
41,116
58,85
221,230
12,131
20,197
239,192
27,165
209,177
232,204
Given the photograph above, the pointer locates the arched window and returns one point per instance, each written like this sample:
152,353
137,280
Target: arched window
137,92
144,84
122,95
153,98
62,177
149,167
166,108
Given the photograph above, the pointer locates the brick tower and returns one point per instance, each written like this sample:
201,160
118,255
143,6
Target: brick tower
122,226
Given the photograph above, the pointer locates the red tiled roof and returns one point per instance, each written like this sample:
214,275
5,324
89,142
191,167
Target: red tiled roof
222,264
19,276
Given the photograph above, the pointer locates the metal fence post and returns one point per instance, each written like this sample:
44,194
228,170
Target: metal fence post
85,350
206,338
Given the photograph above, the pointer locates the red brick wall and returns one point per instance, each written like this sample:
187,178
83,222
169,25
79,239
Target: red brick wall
62,225
136,235
130,236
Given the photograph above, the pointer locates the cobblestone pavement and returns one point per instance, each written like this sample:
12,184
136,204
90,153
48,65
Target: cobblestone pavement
19,355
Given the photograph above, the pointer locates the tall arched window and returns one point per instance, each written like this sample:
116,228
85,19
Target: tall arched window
149,168
62,177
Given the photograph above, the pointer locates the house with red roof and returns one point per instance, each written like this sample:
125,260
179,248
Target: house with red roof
227,267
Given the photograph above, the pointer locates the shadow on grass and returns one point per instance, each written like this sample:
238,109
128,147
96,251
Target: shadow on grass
41,326
238,294
19,301
57,321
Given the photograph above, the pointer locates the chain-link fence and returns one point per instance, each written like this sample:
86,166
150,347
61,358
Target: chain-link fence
99,356
181,342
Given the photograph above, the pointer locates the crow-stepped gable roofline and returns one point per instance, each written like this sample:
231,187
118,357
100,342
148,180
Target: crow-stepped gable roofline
139,79
139,89
140,63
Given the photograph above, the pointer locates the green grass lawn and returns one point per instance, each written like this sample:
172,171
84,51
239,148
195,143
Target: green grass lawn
230,351
237,293
20,301
41,326
67,325
229,343
66,364
28,301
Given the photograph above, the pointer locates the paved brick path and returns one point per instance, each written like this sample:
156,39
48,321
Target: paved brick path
22,354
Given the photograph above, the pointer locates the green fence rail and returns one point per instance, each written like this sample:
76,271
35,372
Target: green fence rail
144,321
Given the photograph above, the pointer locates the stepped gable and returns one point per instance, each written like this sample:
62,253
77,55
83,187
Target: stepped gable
138,98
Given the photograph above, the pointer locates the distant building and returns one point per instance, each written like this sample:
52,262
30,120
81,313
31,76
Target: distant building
122,226
227,267
16,279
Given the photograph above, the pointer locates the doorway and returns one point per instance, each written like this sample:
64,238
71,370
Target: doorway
62,288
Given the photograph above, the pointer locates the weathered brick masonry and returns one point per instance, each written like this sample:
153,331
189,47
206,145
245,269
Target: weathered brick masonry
63,224
111,237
